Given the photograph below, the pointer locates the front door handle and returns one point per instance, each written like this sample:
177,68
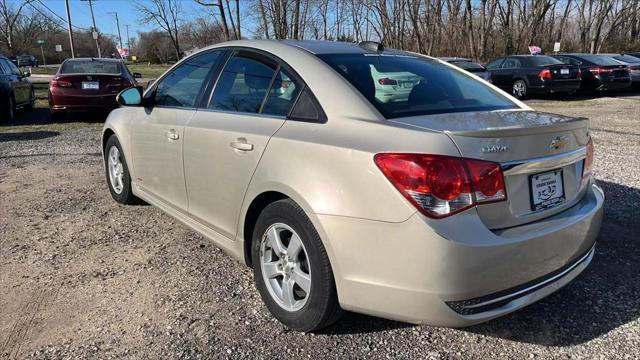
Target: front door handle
172,135
241,144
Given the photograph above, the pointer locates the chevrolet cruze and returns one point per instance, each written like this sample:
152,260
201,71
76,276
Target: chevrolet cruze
452,205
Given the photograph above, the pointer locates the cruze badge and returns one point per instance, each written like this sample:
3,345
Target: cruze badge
559,142
494,148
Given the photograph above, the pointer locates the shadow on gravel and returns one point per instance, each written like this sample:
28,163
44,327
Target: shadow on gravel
28,135
632,92
41,116
605,297
352,323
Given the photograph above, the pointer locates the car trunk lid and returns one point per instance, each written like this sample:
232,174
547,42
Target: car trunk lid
563,71
526,144
93,83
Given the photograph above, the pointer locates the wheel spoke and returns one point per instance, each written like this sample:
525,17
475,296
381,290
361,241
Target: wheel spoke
303,280
273,236
295,245
270,269
287,292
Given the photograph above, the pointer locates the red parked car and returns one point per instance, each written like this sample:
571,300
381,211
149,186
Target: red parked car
88,84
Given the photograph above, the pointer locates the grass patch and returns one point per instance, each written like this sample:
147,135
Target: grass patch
147,70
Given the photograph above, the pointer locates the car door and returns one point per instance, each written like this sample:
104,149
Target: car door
157,132
492,69
224,143
18,83
504,75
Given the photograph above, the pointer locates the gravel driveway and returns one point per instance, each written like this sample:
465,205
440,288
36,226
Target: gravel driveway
83,277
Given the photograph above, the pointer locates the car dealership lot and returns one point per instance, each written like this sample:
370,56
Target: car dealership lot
81,276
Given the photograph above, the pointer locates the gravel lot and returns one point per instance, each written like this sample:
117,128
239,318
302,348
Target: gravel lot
83,277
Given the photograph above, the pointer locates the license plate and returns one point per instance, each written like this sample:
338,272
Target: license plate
90,85
547,190
564,71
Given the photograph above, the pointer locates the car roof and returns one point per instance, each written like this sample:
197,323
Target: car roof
316,47
454,58
94,59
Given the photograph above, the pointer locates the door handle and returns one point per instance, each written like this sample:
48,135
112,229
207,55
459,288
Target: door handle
242,145
172,135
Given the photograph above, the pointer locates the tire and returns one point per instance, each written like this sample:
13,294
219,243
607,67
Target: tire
519,89
9,109
32,100
120,189
310,310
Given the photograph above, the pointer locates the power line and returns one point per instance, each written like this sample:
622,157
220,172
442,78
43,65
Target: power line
58,16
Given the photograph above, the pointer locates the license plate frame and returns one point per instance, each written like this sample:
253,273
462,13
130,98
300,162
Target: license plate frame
564,71
550,197
90,85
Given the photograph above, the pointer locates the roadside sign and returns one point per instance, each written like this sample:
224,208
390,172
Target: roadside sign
556,47
134,58
124,52
534,50
40,42
58,48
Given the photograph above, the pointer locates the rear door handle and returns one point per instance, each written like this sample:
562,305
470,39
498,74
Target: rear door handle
172,135
241,144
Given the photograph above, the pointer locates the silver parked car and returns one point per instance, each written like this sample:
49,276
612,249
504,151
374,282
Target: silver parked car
450,206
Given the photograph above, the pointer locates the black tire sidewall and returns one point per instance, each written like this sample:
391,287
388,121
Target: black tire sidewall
322,295
126,196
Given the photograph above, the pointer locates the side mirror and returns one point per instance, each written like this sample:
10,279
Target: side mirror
137,75
130,97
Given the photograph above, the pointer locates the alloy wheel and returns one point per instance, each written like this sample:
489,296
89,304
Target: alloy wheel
285,267
519,89
116,169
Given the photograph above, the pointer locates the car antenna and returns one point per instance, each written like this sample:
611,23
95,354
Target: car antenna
371,45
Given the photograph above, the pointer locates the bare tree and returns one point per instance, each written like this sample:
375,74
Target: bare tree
9,15
165,13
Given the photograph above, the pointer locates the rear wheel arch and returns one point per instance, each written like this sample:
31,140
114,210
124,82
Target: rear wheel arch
258,204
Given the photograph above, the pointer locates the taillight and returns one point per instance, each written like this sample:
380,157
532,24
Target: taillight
440,186
599,70
545,74
56,82
634,69
387,81
588,160
124,83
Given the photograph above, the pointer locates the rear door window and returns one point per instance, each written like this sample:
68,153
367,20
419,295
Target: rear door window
510,63
401,85
495,64
282,94
243,85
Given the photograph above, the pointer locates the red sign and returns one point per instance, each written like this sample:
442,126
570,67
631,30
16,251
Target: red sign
535,50
124,52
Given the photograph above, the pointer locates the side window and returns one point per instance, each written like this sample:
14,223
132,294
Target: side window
242,86
510,64
183,85
494,64
307,108
13,69
282,94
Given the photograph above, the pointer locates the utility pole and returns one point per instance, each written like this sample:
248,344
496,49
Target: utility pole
95,29
118,25
66,2
128,39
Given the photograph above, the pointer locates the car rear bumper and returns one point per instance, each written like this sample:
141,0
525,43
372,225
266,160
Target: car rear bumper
431,271
558,86
64,103
613,84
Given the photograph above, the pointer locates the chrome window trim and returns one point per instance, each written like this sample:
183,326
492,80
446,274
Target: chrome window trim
543,163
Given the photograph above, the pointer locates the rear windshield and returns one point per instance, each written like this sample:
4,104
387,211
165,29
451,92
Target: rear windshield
90,67
600,59
403,85
627,58
540,60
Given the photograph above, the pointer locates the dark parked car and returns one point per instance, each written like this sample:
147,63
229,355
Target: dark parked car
634,54
468,65
16,91
633,65
85,84
27,60
599,72
525,75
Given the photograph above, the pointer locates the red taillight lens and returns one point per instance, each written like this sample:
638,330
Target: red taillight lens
387,81
124,83
545,74
588,160
439,186
56,82
598,70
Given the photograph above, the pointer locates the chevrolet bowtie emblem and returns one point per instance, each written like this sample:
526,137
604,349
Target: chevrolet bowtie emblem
559,142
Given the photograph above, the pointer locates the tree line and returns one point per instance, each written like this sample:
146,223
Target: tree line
479,29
